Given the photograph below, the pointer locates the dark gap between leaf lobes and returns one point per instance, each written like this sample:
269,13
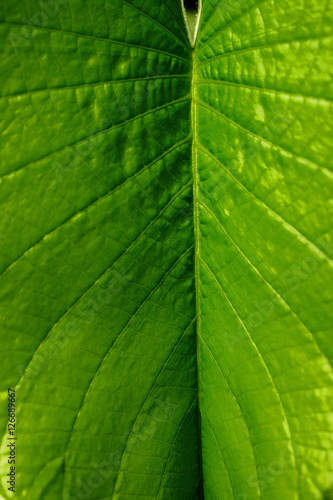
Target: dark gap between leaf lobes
191,12
191,5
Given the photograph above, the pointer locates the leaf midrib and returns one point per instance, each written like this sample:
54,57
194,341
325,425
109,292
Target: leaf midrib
196,229
196,222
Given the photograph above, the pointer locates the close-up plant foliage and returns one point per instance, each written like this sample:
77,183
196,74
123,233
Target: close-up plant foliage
166,249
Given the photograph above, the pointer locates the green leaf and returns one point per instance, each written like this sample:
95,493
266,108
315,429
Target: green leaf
166,249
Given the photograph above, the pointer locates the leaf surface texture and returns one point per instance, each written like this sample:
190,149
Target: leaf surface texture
166,249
